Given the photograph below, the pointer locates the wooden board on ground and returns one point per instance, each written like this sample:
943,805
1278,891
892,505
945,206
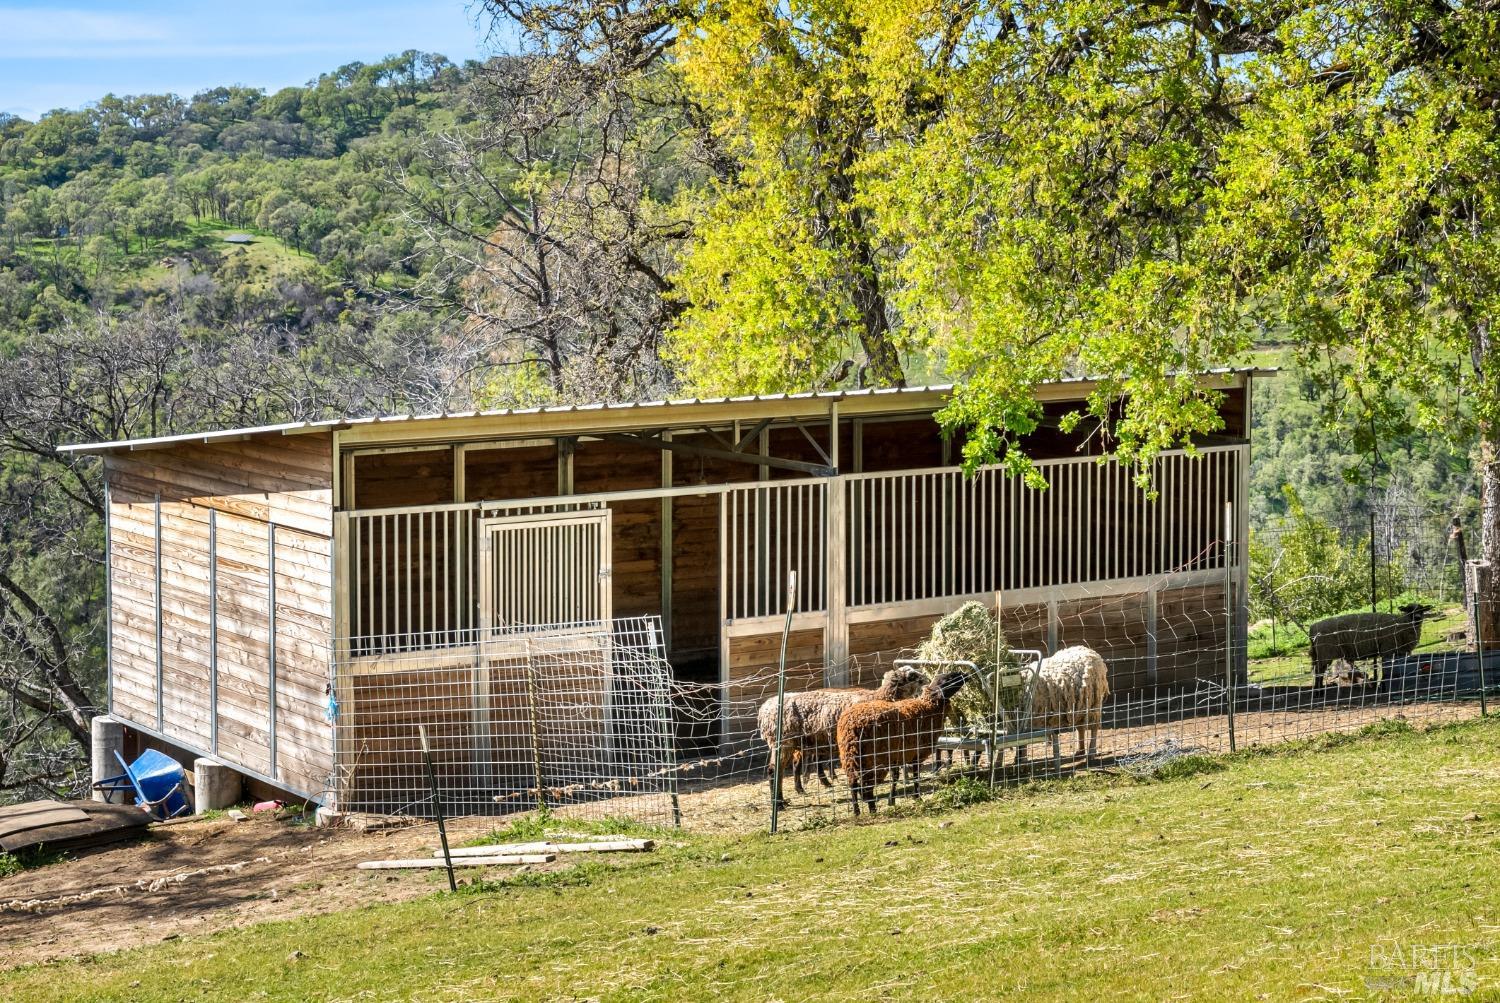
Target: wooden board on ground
594,846
425,863
66,825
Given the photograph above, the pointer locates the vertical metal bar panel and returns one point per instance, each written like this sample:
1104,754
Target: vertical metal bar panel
378,622
1049,528
438,546
427,564
271,643
213,632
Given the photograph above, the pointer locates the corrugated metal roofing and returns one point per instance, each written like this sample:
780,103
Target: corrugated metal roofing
331,424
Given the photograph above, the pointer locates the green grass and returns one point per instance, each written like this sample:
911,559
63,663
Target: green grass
1285,875
541,825
25,860
265,260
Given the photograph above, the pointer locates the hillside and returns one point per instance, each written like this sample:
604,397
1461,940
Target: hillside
126,202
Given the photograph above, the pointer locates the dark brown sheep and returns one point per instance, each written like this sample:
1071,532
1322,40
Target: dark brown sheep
880,735
1355,637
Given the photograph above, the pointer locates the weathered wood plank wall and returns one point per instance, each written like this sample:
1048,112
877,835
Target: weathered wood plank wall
198,652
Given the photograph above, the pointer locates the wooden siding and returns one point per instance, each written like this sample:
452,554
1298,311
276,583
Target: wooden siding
510,472
636,551
752,671
201,675
383,480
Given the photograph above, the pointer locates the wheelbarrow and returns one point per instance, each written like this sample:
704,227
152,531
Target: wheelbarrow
157,781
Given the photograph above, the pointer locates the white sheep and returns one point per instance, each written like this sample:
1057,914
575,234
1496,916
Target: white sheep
1067,690
810,723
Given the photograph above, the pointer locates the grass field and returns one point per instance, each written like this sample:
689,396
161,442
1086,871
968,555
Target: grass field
1311,873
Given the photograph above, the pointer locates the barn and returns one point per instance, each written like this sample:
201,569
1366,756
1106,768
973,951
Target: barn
291,600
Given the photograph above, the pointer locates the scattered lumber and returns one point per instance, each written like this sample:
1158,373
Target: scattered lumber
470,861
593,846
68,825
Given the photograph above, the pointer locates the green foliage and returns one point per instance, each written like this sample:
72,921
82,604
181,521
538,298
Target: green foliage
1301,569
1137,193
26,860
94,202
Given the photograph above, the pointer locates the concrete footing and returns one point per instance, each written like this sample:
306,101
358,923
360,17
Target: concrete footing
214,785
108,738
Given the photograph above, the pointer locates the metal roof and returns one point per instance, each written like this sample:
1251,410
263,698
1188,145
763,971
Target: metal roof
614,408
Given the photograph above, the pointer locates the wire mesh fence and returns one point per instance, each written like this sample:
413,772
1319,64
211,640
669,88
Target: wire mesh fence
567,717
587,721
1190,690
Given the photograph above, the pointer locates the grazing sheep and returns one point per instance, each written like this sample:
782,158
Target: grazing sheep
811,722
1344,673
1355,637
880,735
1068,691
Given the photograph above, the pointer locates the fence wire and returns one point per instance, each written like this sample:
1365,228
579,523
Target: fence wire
587,721
567,717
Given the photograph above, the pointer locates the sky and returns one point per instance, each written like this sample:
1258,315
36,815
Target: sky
66,55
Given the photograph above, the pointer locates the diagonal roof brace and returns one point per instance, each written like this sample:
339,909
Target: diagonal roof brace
692,449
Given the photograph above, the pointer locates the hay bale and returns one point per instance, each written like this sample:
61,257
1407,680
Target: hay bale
972,633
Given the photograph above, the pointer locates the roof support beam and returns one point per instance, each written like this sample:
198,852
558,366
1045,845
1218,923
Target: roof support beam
692,449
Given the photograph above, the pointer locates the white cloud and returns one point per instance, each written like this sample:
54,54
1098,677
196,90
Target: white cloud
22,28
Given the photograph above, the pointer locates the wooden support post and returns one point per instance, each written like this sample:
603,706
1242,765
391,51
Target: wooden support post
836,557
109,602
1479,584
343,689
271,640
156,602
666,549
460,459
213,631
1151,635
566,445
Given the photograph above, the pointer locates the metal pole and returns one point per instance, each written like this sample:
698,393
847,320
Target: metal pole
1484,703
786,632
437,806
536,738
1373,608
995,692
1229,616
669,732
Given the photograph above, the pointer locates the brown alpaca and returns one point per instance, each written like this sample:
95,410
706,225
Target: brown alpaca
811,719
880,735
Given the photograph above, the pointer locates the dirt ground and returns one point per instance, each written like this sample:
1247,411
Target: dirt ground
199,876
